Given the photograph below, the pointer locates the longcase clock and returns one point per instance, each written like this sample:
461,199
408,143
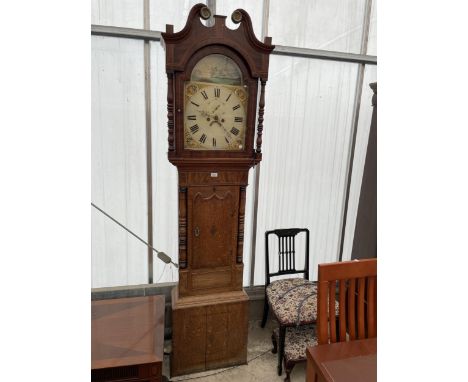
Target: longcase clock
216,80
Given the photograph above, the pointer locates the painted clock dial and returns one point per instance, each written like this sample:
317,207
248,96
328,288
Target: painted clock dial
215,111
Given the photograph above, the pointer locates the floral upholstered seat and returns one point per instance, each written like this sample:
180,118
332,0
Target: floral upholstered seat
294,301
296,341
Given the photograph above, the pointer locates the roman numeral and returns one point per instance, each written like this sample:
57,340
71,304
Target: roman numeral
193,103
203,138
236,107
227,140
214,142
238,119
217,92
192,117
229,96
194,129
235,131
205,96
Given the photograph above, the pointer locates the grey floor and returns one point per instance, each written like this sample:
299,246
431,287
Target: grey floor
261,363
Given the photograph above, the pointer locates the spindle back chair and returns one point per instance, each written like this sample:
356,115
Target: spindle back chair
286,258
286,253
292,300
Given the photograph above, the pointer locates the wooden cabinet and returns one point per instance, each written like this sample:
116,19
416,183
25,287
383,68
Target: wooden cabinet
208,332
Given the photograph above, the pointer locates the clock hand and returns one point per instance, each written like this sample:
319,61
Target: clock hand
216,108
227,132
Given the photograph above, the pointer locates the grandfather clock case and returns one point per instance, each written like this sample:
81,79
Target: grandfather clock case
216,79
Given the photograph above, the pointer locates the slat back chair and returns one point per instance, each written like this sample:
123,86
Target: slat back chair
355,283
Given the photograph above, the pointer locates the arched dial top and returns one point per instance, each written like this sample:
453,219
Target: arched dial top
215,110
217,68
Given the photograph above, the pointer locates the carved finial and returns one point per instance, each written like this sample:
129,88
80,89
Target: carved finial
236,16
205,13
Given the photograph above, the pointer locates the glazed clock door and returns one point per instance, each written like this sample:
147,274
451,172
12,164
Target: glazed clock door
213,218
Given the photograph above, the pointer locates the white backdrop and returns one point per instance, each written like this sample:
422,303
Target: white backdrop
118,161
308,121
323,24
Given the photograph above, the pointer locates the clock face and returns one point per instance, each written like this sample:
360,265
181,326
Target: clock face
215,116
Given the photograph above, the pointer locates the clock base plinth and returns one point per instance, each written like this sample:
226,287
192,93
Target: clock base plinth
208,332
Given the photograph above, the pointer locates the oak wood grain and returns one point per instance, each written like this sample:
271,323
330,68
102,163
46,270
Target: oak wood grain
208,331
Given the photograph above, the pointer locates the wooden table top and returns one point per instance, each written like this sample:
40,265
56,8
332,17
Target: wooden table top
127,331
352,361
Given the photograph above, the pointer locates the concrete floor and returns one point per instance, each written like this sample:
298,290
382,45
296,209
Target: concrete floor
261,365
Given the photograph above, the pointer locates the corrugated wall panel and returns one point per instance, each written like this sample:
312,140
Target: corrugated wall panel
308,117
173,12
372,44
119,13
118,161
253,8
331,25
165,200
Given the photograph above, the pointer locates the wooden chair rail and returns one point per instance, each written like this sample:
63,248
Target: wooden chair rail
354,284
342,270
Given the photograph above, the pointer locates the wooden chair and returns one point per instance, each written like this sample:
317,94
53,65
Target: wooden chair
293,301
355,285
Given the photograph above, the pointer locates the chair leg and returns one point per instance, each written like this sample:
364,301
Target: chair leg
275,344
288,366
282,335
266,307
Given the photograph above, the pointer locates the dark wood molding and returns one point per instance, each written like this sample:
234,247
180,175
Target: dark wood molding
194,36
